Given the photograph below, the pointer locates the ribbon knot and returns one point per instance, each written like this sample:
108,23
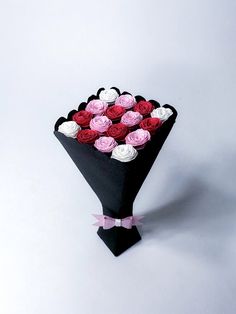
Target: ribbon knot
118,222
108,222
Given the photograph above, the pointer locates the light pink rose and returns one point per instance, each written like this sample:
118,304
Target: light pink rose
97,107
126,101
131,118
100,124
105,144
138,138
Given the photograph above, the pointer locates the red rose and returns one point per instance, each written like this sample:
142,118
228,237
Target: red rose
144,107
118,131
150,124
87,136
82,118
115,112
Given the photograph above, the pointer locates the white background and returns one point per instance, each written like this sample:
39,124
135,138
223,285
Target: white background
54,54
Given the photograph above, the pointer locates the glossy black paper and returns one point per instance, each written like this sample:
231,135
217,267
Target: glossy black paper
115,183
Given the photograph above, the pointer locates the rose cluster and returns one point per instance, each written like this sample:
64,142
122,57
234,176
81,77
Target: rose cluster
116,124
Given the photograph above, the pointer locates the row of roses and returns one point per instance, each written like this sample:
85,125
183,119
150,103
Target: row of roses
99,115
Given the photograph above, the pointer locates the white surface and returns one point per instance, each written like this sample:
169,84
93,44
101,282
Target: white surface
54,54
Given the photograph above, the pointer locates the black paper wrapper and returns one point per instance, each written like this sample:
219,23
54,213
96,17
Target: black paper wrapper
115,183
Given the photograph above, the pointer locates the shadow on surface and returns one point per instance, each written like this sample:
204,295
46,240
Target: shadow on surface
200,219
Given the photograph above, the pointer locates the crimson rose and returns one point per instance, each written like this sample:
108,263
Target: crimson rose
87,136
144,107
82,118
150,124
115,112
118,131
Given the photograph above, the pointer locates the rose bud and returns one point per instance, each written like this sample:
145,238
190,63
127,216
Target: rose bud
124,153
131,118
105,144
96,107
69,128
87,136
150,124
138,138
144,107
83,118
100,124
108,95
127,101
115,112
118,131
161,113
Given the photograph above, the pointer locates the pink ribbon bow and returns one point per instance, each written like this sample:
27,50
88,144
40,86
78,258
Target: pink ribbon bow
108,222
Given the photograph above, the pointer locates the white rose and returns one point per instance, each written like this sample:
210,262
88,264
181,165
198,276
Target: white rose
124,153
69,128
108,95
162,113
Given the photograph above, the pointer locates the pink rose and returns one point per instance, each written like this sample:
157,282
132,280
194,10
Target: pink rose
126,101
138,138
105,144
100,124
131,118
97,107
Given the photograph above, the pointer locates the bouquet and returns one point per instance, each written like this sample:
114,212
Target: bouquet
114,139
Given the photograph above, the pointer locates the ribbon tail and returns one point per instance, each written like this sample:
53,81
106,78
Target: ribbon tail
98,223
136,220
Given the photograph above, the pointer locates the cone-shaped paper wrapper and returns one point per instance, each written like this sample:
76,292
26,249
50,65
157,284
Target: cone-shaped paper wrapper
116,183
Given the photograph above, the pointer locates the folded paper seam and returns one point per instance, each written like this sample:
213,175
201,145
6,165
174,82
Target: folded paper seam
108,222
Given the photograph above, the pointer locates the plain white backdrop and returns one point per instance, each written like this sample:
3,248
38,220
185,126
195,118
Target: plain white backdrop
54,54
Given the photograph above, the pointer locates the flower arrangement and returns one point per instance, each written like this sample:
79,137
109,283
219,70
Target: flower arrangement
114,139
115,120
